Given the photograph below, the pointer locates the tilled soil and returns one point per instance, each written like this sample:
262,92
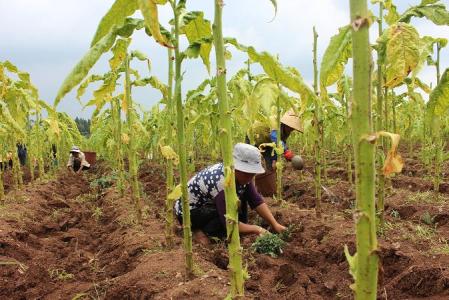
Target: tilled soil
72,238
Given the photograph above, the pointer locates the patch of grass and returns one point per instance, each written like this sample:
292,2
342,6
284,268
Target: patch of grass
424,197
424,232
441,249
60,274
85,198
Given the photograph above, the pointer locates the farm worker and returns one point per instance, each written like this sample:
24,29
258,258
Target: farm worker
207,197
77,161
8,161
266,183
22,153
289,123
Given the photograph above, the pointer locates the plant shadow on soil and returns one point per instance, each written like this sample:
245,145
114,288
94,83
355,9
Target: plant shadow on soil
69,239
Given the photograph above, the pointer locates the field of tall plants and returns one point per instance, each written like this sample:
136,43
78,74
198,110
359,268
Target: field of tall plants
366,215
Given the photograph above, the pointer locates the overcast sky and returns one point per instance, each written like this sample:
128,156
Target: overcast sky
47,37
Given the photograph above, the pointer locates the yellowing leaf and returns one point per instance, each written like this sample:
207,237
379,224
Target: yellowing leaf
176,193
125,138
150,15
169,154
402,53
393,162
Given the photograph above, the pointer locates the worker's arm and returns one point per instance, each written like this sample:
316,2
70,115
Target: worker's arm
266,214
251,229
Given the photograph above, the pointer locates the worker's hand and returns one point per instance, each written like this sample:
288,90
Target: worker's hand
259,230
279,228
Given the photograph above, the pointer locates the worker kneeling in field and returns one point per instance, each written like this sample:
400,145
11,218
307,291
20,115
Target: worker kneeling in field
207,197
77,161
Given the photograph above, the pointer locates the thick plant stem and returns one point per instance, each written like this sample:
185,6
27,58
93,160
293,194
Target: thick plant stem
349,131
279,165
437,139
182,149
169,219
132,159
366,240
380,156
316,119
116,113
232,228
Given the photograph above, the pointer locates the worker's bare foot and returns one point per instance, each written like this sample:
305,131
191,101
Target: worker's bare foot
201,238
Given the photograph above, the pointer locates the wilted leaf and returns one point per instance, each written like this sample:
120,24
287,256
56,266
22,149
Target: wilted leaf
393,162
150,14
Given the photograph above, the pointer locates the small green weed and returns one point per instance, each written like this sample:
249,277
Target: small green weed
426,218
97,213
270,244
394,214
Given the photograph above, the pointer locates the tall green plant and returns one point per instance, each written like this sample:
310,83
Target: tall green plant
364,264
232,221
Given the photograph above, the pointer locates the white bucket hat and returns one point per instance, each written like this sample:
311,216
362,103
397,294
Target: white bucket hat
247,159
75,149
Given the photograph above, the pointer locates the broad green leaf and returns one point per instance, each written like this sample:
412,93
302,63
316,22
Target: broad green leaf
114,17
149,11
83,67
264,94
436,13
8,118
402,54
288,77
438,104
335,57
196,30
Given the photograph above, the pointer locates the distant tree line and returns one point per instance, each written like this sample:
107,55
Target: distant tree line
83,126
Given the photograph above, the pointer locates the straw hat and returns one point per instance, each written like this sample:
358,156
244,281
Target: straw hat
292,120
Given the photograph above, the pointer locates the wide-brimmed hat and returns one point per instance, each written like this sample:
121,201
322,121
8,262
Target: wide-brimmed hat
291,119
75,149
247,159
